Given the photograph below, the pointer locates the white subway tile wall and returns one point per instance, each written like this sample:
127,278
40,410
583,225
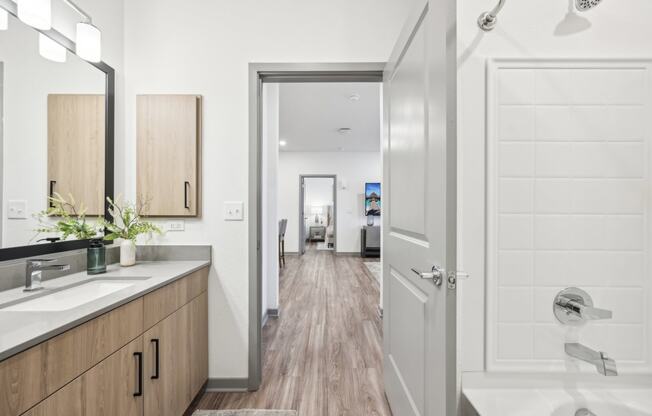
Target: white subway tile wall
569,199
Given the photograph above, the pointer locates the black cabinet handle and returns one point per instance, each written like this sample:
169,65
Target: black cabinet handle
156,358
186,185
139,357
52,183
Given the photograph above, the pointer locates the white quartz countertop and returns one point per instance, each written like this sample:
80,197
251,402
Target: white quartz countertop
20,330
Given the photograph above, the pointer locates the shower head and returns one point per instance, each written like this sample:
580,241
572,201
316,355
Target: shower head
584,5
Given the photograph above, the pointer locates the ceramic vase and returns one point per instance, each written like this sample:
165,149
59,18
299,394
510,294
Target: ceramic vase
127,253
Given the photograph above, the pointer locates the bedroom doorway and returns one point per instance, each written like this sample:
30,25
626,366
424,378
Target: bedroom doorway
318,212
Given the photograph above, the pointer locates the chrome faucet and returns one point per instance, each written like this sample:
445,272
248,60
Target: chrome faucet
605,365
33,272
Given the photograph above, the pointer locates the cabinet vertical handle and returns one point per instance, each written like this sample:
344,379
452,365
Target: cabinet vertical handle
156,358
186,203
139,357
50,203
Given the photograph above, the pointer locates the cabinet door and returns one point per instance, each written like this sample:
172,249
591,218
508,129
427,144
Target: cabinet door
31,376
167,372
110,388
168,136
76,148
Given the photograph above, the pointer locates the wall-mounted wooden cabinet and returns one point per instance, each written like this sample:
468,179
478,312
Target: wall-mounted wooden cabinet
146,358
169,154
76,147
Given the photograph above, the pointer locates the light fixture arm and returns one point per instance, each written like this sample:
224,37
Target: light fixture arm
487,20
79,10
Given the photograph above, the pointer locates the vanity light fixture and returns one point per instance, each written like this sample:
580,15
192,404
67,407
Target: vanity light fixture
50,49
4,19
36,13
89,38
89,42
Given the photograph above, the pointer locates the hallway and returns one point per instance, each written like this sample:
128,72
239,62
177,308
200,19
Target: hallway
323,356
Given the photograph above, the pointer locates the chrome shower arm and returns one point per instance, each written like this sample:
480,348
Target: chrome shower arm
487,20
494,12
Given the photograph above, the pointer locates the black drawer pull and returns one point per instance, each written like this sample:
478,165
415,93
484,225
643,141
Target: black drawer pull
156,358
50,203
186,204
139,357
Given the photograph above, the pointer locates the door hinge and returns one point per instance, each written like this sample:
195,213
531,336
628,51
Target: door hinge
453,277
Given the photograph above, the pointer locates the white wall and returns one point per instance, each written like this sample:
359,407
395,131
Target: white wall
318,192
354,168
204,47
270,284
525,29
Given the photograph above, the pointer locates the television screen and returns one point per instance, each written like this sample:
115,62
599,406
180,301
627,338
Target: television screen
372,199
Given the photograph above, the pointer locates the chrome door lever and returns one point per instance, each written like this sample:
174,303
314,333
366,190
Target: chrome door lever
436,275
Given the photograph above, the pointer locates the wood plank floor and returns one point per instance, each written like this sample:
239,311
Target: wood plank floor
323,356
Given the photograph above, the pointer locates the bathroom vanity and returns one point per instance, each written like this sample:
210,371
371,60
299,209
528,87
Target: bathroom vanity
131,342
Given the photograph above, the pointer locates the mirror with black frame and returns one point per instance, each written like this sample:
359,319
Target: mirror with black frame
56,149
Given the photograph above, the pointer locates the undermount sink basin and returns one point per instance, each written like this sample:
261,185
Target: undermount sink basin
599,409
72,296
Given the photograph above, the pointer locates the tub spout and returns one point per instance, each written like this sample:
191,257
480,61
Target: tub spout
605,365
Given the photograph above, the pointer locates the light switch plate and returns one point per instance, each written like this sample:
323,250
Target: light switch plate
176,225
234,211
17,210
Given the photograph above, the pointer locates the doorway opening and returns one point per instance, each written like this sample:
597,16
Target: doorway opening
337,163
318,212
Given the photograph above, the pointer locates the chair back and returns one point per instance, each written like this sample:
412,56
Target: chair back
282,227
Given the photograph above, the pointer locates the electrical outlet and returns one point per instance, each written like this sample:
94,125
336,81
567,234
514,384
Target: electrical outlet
233,211
176,225
17,210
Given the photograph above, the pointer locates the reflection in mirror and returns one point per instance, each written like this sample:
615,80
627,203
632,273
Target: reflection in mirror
53,140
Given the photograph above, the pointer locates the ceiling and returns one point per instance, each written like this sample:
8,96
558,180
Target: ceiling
311,115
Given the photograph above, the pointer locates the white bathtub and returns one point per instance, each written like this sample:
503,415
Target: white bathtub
555,395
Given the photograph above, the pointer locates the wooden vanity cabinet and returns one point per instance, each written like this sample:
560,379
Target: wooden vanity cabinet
177,363
116,364
168,366
169,154
33,375
113,387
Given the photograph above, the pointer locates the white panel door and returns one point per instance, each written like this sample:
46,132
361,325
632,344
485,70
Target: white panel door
419,217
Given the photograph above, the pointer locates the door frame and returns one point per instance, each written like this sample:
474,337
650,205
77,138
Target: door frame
279,73
302,196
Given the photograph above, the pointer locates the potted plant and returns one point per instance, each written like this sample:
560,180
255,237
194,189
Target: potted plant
127,225
72,219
